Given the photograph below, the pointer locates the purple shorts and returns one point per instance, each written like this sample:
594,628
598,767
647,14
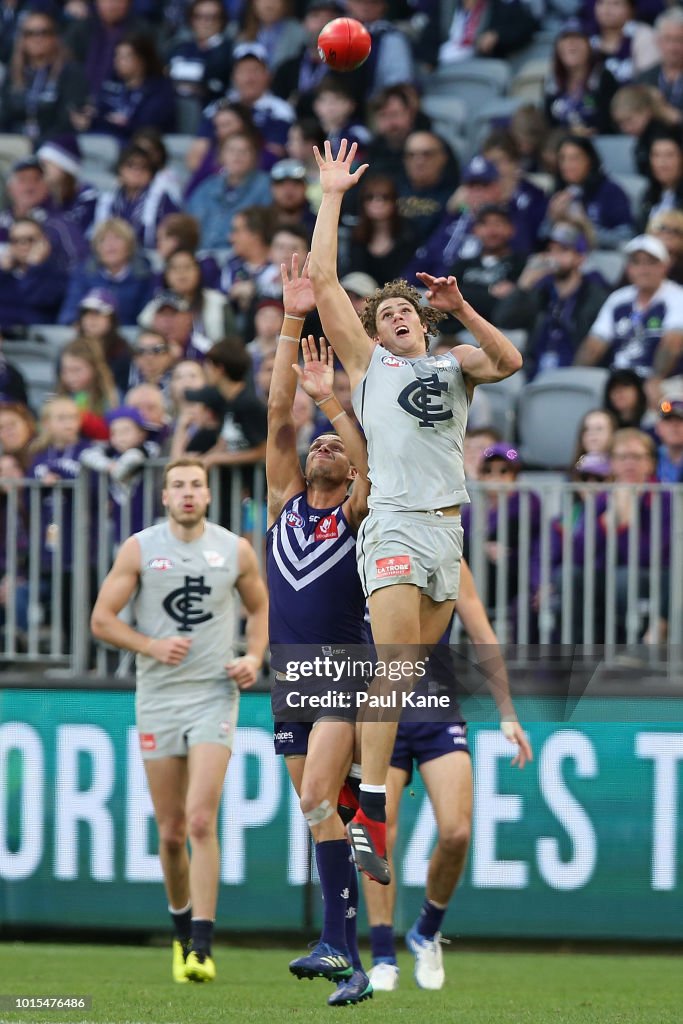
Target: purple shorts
425,741
291,737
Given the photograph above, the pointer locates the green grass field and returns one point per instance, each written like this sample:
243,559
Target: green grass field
131,984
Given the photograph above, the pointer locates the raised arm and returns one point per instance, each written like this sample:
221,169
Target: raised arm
317,380
339,319
114,595
473,616
497,358
254,596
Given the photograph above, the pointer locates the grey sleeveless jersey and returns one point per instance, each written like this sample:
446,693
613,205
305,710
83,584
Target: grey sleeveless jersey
414,414
187,590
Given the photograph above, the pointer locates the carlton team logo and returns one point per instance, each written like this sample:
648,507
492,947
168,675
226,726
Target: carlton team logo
160,563
326,528
394,361
294,519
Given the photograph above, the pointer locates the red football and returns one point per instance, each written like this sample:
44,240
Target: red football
344,44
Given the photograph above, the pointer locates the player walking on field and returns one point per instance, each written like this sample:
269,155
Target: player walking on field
316,601
186,575
413,410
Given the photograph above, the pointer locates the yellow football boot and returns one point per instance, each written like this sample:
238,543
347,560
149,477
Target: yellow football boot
199,967
179,962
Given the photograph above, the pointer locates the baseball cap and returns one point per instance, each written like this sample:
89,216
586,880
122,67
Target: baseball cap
594,464
492,209
254,50
169,299
671,408
210,397
288,170
63,151
571,27
359,283
501,450
127,412
569,236
27,163
481,171
649,244
99,300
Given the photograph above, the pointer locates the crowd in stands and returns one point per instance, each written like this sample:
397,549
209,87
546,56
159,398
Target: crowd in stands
164,268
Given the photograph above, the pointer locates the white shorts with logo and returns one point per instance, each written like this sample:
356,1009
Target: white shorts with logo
421,548
170,723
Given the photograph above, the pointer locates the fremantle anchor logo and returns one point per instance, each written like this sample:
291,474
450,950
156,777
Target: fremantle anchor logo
184,605
416,399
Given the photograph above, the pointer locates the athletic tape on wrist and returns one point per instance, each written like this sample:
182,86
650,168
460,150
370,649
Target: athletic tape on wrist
508,730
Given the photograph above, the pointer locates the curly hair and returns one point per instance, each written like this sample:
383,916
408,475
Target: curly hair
399,289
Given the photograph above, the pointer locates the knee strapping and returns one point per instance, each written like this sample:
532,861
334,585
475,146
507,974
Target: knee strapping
319,814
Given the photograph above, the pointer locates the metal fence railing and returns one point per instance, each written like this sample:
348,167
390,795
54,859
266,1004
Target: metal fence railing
555,563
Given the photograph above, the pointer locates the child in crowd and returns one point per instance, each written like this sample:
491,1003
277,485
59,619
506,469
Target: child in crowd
85,377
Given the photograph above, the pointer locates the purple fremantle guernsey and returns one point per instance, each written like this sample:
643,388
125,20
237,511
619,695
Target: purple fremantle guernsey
315,591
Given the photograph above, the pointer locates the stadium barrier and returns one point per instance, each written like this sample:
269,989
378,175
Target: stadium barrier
585,843
539,585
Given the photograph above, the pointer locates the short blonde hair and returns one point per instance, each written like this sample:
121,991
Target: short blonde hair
115,226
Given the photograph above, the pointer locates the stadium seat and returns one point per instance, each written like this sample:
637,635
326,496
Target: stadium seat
103,180
609,263
616,153
491,114
177,147
473,81
635,186
99,152
447,108
549,410
55,336
37,362
503,397
130,333
527,83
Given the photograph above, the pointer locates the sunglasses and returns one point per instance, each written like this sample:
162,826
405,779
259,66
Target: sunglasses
151,350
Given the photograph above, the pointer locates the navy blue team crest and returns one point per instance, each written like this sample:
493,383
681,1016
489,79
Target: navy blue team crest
300,557
421,397
185,606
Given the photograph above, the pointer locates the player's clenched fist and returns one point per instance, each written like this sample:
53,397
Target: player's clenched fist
169,650
244,670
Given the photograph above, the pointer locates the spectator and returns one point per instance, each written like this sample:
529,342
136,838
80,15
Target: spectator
60,159
631,507
382,241
668,227
454,236
212,317
396,114
251,86
165,179
267,322
475,444
93,42
358,287
42,84
243,433
200,62
149,400
171,317
181,231
115,265
85,377
199,423
32,280
270,24
250,238
288,188
529,128
527,203
12,383
625,398
583,189
28,196
665,173
430,172
390,60
287,241
554,300
186,375
302,136
669,431
153,360
492,274
667,75
13,503
135,200
17,431
625,46
640,327
487,28
595,433
295,79
336,109
227,119
578,88
98,325
238,185
637,110
135,95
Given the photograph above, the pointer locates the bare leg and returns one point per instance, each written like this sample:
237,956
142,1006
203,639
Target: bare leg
167,781
207,763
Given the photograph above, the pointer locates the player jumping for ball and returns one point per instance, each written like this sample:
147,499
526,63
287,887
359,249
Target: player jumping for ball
413,410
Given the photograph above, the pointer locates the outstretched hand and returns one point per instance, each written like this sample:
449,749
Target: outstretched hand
297,290
336,175
443,293
317,374
513,732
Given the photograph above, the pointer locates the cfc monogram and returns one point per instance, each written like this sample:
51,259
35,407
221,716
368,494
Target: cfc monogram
420,399
184,605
